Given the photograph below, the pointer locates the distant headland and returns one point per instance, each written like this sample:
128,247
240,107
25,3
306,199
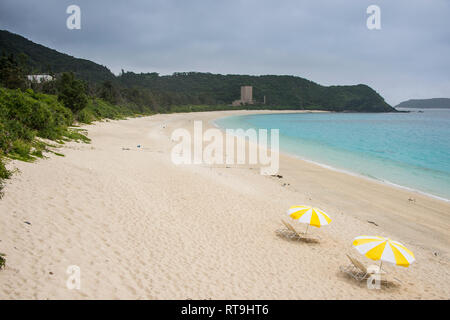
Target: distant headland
434,103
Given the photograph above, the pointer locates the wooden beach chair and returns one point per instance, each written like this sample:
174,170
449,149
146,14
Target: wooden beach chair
293,234
358,271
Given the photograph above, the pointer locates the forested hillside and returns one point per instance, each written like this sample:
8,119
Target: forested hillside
41,59
172,92
288,92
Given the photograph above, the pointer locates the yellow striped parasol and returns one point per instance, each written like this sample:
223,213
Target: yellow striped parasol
309,215
384,249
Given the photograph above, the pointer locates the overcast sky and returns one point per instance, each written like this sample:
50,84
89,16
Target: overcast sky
326,41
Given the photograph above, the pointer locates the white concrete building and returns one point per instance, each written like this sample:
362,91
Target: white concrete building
39,78
246,96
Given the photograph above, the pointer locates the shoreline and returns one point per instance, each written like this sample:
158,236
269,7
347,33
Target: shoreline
140,227
330,167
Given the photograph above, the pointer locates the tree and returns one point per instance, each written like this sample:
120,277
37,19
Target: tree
12,71
71,92
110,92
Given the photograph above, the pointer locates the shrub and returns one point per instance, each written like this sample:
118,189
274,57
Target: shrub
62,116
71,92
85,116
4,174
21,149
101,109
5,141
2,260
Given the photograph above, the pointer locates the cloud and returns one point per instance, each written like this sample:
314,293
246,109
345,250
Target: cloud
324,41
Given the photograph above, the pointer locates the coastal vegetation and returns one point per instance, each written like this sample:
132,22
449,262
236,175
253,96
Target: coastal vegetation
28,118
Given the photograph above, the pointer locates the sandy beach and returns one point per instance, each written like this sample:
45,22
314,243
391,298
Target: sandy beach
141,227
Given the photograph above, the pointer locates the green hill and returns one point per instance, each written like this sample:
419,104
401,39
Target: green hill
280,91
45,60
436,103
164,93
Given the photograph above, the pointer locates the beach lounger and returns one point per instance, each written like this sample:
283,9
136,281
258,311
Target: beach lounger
293,234
358,271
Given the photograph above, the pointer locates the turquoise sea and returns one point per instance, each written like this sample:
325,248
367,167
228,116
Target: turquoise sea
407,149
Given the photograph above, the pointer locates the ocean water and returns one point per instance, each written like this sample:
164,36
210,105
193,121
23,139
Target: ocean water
407,149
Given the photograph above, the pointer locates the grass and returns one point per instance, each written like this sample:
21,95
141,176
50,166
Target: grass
77,135
58,154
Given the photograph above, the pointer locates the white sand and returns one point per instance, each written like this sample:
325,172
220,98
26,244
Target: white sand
140,227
